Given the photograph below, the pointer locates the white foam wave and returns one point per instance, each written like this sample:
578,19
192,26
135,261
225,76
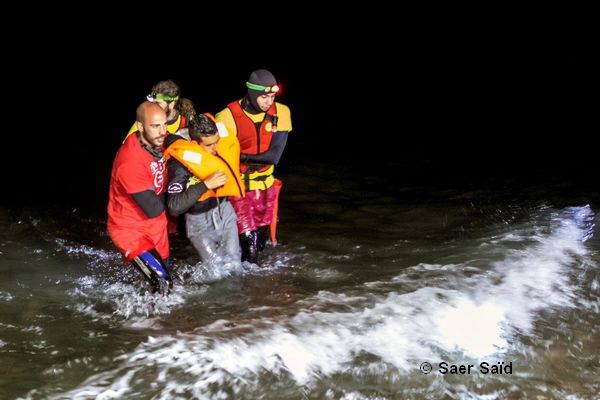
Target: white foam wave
6,296
475,316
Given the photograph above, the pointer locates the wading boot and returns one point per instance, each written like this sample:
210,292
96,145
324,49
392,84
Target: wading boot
248,244
263,235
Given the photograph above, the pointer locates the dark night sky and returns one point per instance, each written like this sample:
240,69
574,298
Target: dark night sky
464,105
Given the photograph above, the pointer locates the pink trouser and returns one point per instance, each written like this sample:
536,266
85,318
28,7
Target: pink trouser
255,209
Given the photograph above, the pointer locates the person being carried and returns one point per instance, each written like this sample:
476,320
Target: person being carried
202,174
137,222
261,126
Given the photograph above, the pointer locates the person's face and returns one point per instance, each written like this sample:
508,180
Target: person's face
154,128
209,143
265,101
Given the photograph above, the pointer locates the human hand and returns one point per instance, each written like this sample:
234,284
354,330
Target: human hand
215,180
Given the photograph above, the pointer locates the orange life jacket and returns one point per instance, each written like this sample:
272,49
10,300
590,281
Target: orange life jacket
254,138
202,164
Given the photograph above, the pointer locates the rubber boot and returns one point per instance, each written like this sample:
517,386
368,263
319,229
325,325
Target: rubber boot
155,270
248,244
263,235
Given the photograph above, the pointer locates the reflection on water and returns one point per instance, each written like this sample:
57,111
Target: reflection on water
364,288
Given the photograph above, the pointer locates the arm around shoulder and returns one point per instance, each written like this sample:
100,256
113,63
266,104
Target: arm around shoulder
180,195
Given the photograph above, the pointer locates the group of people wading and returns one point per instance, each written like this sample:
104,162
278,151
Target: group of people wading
212,173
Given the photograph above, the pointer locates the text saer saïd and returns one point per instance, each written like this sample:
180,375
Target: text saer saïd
484,367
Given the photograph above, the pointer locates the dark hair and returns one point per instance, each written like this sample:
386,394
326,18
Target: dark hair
186,108
168,88
202,126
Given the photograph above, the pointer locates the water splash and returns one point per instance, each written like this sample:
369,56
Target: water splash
383,335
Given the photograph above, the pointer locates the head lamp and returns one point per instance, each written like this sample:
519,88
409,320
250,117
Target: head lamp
158,96
267,89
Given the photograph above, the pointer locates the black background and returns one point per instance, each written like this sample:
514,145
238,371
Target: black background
448,105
